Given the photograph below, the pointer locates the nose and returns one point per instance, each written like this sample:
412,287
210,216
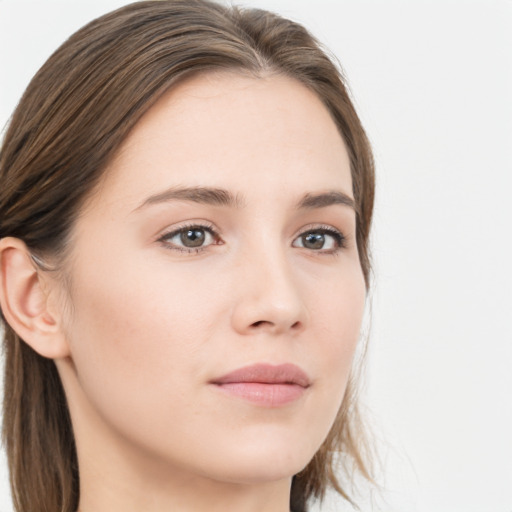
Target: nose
268,298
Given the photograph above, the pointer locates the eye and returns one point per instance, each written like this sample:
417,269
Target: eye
325,239
190,238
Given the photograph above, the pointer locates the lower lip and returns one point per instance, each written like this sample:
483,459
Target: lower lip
268,395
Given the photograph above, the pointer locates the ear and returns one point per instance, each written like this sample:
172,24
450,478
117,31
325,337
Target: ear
25,301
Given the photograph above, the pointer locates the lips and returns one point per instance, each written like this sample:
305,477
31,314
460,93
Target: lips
265,384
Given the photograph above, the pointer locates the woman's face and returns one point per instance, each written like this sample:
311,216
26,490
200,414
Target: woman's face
221,237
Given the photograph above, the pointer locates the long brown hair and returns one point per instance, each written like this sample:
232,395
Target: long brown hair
72,118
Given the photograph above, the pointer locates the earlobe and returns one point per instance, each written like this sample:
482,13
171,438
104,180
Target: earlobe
25,301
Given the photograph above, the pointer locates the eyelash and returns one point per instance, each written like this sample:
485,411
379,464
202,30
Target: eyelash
339,238
209,228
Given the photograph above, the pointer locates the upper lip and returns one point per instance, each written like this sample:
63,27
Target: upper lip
267,374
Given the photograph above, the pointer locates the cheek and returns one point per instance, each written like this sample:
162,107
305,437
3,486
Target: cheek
337,316
345,312
336,310
137,341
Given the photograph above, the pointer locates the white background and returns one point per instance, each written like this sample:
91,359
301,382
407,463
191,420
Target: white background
432,82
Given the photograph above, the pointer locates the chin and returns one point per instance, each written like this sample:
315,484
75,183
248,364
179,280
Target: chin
262,472
257,462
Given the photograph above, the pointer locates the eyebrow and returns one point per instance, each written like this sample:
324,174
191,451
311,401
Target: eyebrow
222,197
203,195
323,199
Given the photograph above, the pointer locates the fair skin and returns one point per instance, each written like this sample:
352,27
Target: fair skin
144,327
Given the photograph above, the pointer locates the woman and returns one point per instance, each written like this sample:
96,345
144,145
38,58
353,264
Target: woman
184,217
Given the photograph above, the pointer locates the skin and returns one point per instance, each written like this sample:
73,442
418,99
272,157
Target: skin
146,326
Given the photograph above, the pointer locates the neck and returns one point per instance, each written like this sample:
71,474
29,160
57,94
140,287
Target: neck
186,495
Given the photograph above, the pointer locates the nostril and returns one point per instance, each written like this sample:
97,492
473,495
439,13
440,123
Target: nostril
296,326
259,322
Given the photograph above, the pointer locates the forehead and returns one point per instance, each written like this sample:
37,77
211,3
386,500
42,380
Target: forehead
231,131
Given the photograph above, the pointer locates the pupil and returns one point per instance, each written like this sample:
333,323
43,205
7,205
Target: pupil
192,237
313,240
